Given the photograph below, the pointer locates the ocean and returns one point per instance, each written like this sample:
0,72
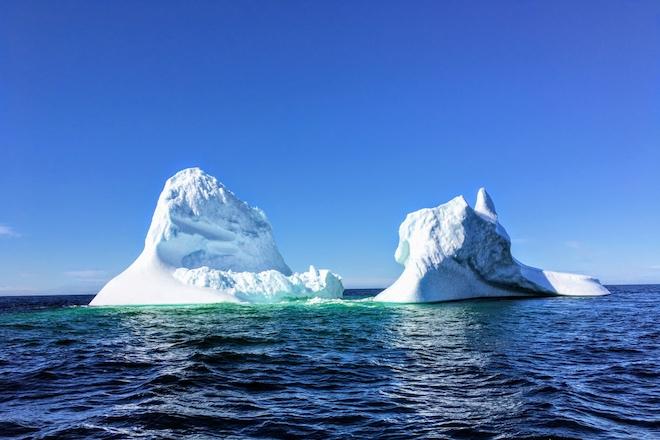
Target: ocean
333,369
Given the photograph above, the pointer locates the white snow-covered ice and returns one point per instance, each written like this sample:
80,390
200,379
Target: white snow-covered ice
205,245
454,251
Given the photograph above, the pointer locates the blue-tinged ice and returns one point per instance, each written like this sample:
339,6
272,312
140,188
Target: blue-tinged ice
205,245
454,251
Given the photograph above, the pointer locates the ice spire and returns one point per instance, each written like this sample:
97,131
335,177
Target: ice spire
485,206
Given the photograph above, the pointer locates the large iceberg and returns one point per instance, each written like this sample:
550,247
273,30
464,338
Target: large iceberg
454,252
205,245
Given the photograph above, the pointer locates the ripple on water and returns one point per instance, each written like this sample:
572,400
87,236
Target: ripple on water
352,368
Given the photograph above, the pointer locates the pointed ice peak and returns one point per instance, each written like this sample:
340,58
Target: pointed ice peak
458,201
194,181
191,174
192,171
485,206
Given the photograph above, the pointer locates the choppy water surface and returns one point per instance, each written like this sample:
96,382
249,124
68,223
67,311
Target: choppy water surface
552,367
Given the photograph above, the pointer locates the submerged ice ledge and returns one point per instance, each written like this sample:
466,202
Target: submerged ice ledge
267,286
454,251
205,245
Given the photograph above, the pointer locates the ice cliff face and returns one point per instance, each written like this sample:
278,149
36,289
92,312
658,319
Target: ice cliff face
198,222
456,252
205,245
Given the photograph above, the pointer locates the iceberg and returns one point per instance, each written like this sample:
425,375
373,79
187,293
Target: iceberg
454,251
205,245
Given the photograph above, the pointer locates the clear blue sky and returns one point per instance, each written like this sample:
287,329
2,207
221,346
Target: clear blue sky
336,118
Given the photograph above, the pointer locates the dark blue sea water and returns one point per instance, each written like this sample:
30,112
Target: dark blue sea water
535,368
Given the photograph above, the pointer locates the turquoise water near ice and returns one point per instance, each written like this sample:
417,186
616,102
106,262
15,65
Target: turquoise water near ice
523,368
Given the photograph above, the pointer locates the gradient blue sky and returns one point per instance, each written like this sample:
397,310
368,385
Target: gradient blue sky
336,118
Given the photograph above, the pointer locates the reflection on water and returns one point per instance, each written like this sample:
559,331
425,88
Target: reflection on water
553,367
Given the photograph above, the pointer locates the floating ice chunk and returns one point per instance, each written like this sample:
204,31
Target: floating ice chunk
206,245
453,252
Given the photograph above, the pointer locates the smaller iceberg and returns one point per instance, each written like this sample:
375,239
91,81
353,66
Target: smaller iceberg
454,251
205,245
